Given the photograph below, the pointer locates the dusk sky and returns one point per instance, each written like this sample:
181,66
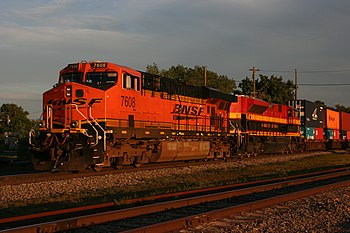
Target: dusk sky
40,37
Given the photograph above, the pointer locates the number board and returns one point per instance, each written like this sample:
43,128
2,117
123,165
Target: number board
73,66
99,65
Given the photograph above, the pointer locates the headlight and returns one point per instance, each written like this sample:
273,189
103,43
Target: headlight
68,91
42,124
74,124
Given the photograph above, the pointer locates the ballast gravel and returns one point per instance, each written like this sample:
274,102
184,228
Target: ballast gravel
324,212
51,191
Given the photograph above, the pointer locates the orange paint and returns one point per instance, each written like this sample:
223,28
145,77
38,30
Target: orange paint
332,119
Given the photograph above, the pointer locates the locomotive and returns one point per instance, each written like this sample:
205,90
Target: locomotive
101,114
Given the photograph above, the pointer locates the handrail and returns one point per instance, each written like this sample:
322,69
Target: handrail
31,134
96,139
49,116
103,130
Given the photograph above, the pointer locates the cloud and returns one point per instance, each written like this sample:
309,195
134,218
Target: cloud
40,37
46,10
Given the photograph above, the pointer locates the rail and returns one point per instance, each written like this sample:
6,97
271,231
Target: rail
206,196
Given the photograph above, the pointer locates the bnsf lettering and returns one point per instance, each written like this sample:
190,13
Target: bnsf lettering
78,101
93,101
188,110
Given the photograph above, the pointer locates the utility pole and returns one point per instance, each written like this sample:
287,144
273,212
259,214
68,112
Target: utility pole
253,77
296,84
205,75
8,129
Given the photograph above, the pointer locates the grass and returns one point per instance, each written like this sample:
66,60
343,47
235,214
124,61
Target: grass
176,183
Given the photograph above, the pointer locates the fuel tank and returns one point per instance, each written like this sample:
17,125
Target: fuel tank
183,150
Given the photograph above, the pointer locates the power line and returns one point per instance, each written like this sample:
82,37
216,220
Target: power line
278,71
324,84
311,84
307,71
323,71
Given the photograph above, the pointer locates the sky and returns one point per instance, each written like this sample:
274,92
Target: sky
40,37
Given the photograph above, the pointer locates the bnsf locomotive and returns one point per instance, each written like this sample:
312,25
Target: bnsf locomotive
100,114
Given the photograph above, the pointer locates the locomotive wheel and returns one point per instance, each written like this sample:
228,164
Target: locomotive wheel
117,164
137,162
97,168
79,160
42,165
117,167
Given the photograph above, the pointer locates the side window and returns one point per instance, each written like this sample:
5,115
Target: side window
126,81
131,82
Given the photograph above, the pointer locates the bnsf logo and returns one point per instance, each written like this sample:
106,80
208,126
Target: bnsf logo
188,110
78,101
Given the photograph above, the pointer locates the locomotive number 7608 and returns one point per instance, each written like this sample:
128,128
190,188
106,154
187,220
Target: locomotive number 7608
128,101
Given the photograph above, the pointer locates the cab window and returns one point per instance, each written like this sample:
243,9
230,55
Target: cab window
71,77
102,80
131,82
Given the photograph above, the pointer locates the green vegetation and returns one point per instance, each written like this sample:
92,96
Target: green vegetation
342,108
195,76
14,119
14,128
273,89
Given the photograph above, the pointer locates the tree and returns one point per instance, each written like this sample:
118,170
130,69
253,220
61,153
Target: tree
153,69
194,76
273,89
341,108
321,103
14,119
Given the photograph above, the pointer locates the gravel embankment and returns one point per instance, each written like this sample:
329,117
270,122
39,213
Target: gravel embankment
52,191
325,212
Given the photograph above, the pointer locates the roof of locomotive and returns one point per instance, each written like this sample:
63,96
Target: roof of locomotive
97,65
171,86
158,83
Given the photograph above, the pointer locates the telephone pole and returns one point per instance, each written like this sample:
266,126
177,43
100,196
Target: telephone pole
205,75
296,84
253,77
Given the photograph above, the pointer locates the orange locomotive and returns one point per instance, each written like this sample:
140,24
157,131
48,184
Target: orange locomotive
101,114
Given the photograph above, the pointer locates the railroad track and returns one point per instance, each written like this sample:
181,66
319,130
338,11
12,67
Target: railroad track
31,177
185,209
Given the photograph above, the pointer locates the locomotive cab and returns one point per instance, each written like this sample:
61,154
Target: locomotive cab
70,126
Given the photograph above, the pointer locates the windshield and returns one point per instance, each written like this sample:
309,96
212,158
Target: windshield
71,77
102,79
